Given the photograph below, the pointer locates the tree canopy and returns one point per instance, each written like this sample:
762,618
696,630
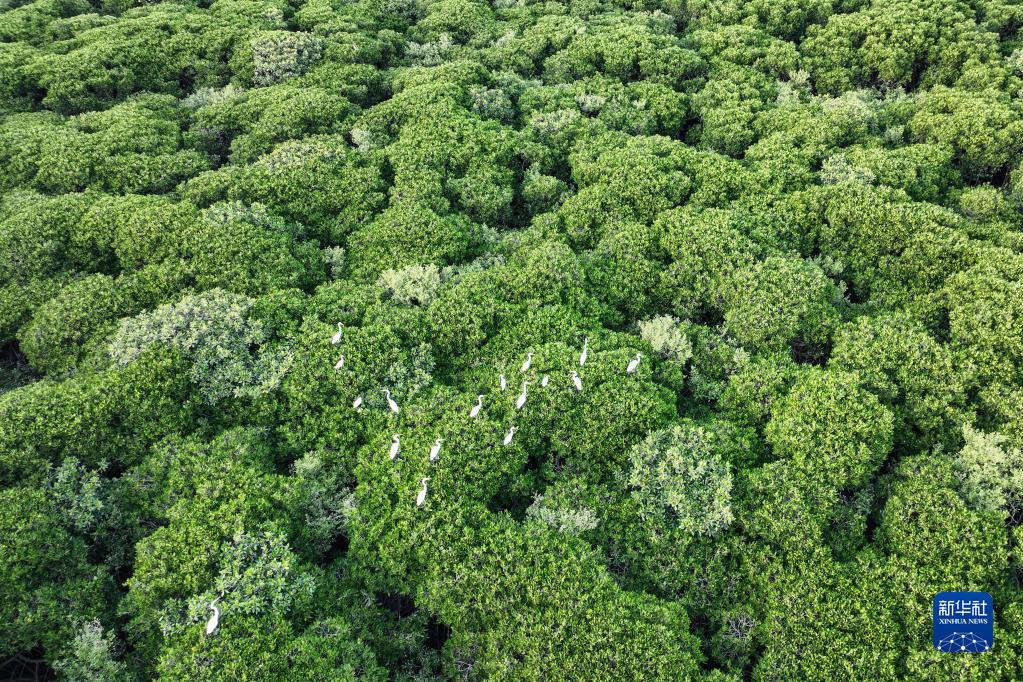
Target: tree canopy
735,287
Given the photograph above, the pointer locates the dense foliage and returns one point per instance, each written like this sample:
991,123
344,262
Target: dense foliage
804,216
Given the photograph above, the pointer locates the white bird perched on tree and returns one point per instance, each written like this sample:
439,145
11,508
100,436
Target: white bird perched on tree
340,362
504,383
543,382
214,620
528,363
474,412
631,369
395,445
521,400
435,450
336,339
390,401
577,381
357,403
585,353
508,436
421,497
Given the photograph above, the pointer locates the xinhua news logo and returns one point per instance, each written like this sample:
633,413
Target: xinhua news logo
964,622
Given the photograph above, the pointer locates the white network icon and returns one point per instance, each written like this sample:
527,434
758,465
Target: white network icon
963,641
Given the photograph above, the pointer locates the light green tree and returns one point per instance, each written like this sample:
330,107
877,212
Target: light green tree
677,476
216,333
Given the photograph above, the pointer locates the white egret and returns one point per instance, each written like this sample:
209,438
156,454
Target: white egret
435,450
474,412
390,401
214,620
340,363
529,361
421,497
504,383
543,382
508,436
336,339
577,381
357,403
395,445
631,369
521,400
585,353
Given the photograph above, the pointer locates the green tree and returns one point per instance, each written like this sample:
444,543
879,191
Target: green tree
91,657
214,331
991,475
46,579
831,428
780,301
415,284
983,147
70,325
909,371
678,475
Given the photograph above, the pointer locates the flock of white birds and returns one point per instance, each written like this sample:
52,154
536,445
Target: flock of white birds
474,412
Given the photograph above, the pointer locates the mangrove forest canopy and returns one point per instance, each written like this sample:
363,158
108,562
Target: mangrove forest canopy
595,340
